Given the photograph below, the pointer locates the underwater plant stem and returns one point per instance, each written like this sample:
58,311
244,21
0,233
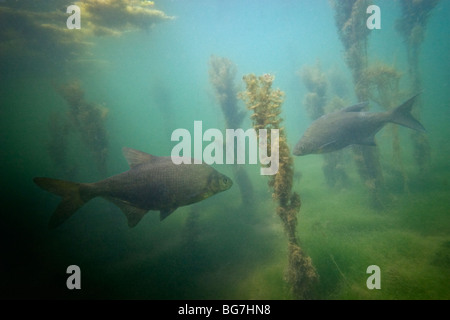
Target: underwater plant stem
266,106
412,26
222,73
89,120
340,271
315,102
350,21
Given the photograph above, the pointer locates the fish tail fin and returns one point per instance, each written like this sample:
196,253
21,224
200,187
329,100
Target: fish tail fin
74,196
402,115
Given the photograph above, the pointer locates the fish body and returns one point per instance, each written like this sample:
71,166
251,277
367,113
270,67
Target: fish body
152,183
351,126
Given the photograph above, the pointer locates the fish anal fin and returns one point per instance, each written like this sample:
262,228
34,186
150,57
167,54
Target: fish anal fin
133,214
165,213
65,209
135,157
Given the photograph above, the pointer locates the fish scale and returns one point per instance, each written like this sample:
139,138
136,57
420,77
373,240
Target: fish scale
152,183
349,126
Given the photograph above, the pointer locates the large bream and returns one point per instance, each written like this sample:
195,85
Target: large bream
350,126
152,183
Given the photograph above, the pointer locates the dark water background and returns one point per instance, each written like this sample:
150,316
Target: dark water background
148,83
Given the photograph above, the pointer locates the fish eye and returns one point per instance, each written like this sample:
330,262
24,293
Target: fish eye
225,180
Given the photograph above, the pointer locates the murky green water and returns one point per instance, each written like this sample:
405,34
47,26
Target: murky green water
71,99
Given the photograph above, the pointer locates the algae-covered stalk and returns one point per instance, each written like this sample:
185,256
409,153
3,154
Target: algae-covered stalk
89,120
315,82
350,17
34,35
222,73
266,106
59,128
114,17
412,27
315,102
383,83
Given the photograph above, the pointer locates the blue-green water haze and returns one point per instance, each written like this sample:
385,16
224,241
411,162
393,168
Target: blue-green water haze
150,81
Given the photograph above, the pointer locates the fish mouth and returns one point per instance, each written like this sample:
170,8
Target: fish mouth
298,149
229,184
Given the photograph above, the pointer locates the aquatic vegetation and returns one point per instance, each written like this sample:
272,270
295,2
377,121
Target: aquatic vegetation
350,19
113,17
383,85
407,242
59,128
412,26
41,40
222,73
338,83
315,80
266,106
33,39
89,120
442,256
380,82
414,19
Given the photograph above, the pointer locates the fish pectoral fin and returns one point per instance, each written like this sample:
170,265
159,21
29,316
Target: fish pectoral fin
133,214
165,213
326,145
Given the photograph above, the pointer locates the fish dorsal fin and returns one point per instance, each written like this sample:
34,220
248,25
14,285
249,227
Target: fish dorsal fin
356,107
135,157
133,214
165,213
